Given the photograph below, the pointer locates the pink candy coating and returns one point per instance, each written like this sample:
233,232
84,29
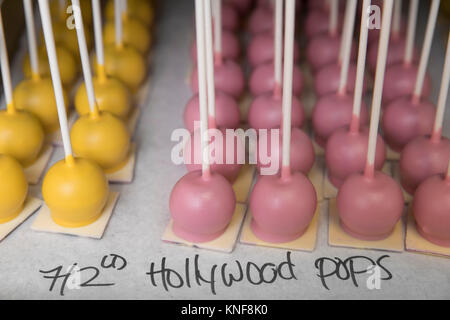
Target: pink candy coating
282,208
405,119
227,112
369,208
332,112
302,152
346,154
421,159
242,6
400,80
230,171
266,112
201,208
328,78
231,48
261,49
230,18
262,80
317,22
261,20
324,49
229,78
431,209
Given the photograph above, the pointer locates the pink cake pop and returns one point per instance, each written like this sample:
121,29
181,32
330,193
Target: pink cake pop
410,116
286,214
265,83
371,204
374,33
261,48
242,6
260,20
202,203
230,18
334,111
431,207
231,48
404,79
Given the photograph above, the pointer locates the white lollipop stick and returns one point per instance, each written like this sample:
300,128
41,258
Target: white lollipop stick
443,94
84,54
278,46
210,65
6,72
448,173
350,13
411,32
289,34
97,16
334,12
31,36
217,13
360,67
431,24
118,22
397,20
56,78
124,6
378,88
200,28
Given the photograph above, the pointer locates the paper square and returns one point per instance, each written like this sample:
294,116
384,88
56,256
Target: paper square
35,171
243,183
126,174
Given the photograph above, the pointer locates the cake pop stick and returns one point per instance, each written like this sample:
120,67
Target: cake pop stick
56,78
442,100
209,51
360,67
447,176
378,88
347,45
278,43
31,37
97,16
6,72
217,13
411,32
334,13
118,9
397,19
426,49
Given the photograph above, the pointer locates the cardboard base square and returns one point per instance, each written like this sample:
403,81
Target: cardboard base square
316,175
225,243
133,120
330,191
45,223
243,183
418,244
31,205
396,175
55,138
392,155
126,174
307,242
339,238
319,151
35,171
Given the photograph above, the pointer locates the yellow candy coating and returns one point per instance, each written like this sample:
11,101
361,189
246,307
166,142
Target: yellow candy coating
76,191
36,96
102,138
135,34
111,95
13,188
142,10
68,67
21,136
126,64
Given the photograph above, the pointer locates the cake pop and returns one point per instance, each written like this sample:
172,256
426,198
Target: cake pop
242,6
124,62
74,189
371,204
99,136
265,83
202,203
111,94
403,79
142,10
231,48
135,33
431,207
21,134
317,19
192,150
409,116
287,213
230,18
334,111
261,20
425,156
13,188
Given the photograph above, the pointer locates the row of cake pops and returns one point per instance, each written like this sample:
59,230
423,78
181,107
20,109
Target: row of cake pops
75,189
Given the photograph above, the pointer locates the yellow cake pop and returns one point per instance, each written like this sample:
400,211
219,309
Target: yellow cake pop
13,188
142,10
74,189
64,11
135,34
